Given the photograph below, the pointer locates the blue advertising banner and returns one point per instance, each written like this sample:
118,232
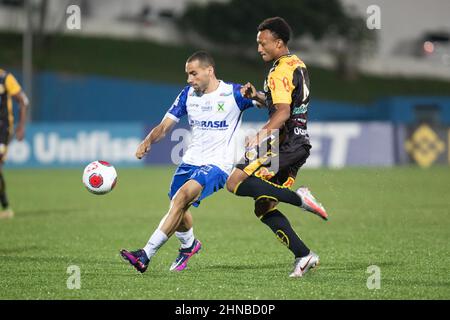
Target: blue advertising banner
334,144
340,144
76,144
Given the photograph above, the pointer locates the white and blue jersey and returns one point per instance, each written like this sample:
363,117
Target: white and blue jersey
214,119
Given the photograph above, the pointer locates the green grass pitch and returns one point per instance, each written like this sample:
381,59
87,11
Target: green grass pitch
397,219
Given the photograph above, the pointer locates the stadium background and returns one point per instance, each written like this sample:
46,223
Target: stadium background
381,149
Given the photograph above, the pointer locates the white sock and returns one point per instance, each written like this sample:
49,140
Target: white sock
157,239
186,238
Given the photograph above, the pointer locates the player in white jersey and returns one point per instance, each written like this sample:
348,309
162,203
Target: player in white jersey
214,109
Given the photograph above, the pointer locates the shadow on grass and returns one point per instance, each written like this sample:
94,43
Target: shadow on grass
46,212
417,282
250,266
90,268
6,252
352,266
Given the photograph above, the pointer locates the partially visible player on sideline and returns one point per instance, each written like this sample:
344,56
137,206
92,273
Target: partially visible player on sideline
286,95
214,109
9,89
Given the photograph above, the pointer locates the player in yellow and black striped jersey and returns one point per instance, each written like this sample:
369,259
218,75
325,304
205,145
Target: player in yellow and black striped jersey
288,83
9,89
286,95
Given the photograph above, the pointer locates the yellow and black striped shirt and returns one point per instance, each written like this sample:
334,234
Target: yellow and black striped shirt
8,88
288,83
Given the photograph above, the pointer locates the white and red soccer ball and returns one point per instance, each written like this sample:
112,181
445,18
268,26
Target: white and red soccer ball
99,177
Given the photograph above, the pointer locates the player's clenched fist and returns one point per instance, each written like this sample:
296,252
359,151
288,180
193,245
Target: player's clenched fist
142,149
248,91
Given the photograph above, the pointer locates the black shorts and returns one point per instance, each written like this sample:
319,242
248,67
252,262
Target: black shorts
286,165
5,137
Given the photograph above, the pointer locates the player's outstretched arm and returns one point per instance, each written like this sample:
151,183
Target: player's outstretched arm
156,134
249,91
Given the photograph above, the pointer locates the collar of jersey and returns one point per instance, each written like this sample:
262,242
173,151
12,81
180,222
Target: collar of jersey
218,87
283,56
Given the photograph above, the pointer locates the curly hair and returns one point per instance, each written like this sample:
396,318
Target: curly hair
279,28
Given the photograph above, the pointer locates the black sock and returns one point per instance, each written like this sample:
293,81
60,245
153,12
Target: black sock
283,230
3,198
256,187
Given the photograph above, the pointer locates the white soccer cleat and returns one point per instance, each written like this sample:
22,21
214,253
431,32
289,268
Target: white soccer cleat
303,264
309,203
6,214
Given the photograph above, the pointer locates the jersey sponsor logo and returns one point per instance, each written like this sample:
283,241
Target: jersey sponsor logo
209,124
293,62
300,132
226,94
221,106
300,120
301,109
207,106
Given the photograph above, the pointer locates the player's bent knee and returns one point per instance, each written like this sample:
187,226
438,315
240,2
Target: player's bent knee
262,206
181,199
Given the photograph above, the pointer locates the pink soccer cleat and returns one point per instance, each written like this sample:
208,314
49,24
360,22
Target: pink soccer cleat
309,203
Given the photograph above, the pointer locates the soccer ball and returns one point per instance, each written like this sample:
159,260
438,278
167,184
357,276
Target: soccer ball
99,177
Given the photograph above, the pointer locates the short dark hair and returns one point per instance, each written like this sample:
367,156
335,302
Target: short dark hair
279,28
203,57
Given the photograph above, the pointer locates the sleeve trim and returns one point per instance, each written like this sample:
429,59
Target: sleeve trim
171,116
